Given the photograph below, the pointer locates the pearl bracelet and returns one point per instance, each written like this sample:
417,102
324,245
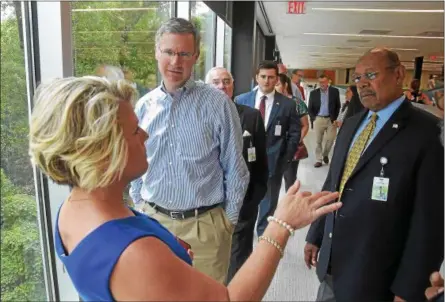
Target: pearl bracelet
274,243
282,223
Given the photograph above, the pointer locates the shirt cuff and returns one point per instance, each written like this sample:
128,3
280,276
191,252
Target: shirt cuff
138,201
233,218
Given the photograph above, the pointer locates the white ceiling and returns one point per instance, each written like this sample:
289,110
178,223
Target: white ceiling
301,50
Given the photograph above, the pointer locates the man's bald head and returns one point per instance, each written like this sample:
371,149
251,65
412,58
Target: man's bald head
391,57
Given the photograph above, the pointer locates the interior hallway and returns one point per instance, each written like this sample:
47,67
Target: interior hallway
293,280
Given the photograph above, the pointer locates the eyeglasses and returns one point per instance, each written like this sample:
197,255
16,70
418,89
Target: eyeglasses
225,82
369,75
182,54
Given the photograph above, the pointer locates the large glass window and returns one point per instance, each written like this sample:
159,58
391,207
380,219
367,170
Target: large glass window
205,20
227,46
120,34
22,271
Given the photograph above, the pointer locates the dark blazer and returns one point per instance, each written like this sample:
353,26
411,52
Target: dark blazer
354,107
252,122
280,149
315,103
375,249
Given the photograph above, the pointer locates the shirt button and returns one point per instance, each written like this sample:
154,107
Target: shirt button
170,201
170,163
171,145
330,235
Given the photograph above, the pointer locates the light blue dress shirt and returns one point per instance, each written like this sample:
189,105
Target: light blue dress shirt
324,105
382,117
194,150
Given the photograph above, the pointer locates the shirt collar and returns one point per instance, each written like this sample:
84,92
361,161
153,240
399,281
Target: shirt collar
270,96
388,111
189,84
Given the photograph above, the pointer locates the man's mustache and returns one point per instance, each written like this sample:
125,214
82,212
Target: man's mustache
365,93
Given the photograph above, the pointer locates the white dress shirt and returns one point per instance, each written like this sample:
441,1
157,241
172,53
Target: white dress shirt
269,103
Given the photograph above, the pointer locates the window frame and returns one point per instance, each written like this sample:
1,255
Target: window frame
182,10
214,42
229,63
220,42
53,58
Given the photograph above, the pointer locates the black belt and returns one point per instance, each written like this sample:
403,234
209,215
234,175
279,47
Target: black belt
182,214
324,116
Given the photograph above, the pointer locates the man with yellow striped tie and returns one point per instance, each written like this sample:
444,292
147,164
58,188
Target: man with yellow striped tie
388,166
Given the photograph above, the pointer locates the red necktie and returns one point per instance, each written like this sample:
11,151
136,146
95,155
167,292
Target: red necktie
263,106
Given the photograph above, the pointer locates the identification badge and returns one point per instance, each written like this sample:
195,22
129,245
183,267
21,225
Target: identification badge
251,155
278,130
380,189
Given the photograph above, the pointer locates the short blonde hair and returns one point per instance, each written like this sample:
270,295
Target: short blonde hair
75,137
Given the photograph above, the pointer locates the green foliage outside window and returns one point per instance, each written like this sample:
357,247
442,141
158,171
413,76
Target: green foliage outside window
103,33
21,259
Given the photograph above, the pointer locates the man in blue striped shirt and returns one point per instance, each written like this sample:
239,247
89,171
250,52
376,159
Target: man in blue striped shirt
197,177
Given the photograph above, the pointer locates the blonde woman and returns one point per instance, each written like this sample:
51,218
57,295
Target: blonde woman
84,133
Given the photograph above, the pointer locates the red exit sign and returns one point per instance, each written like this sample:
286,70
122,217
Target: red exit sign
296,7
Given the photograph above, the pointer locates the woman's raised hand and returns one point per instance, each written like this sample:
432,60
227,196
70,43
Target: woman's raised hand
300,209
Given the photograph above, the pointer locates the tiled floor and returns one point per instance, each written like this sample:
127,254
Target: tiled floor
293,280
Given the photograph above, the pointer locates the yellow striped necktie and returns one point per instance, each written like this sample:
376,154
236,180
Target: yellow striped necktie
356,151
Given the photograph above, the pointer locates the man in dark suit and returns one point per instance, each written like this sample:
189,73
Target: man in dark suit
283,132
324,107
388,166
254,153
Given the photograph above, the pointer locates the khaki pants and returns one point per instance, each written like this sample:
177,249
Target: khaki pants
322,125
210,236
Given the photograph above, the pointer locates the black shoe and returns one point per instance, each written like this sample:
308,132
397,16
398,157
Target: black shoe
326,160
318,164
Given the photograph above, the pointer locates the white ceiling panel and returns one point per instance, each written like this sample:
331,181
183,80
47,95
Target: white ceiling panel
328,39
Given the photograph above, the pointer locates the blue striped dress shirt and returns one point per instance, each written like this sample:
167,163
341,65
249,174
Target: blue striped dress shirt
194,150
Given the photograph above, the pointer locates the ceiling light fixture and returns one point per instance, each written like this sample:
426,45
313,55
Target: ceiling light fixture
372,36
361,47
377,10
